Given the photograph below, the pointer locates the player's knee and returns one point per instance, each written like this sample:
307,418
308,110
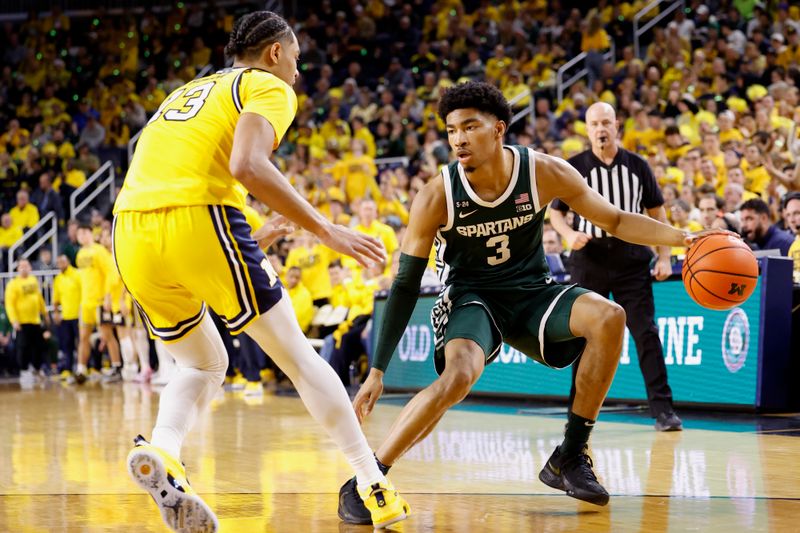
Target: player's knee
459,376
610,320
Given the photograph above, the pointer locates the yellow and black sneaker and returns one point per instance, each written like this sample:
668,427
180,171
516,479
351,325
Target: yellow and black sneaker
385,505
164,478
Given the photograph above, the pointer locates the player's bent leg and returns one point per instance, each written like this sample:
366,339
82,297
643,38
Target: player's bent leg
601,322
465,361
201,360
323,394
156,466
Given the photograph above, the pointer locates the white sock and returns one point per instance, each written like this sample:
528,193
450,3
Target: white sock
80,369
323,394
126,350
202,361
142,348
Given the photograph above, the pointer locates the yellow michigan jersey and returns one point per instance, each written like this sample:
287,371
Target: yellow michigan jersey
183,154
97,274
181,240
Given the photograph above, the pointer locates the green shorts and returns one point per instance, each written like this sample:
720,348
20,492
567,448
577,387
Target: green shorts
533,320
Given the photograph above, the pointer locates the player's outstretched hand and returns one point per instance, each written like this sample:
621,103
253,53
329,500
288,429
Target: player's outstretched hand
272,230
691,238
368,394
363,248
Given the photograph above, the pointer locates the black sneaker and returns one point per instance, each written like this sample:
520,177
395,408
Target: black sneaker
574,475
668,421
113,376
351,507
80,379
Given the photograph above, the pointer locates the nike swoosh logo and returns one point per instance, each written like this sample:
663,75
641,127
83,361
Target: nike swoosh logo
465,215
555,469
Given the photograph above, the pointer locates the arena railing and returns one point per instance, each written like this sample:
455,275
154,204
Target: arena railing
46,229
45,278
132,142
638,31
562,86
529,109
102,179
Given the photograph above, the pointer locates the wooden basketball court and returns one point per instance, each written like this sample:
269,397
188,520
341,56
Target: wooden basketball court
266,466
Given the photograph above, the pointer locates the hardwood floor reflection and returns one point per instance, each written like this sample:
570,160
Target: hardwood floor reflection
266,466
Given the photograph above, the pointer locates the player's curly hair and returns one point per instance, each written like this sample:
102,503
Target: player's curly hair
254,31
476,95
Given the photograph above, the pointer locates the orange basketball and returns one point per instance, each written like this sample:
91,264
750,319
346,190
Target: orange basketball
719,272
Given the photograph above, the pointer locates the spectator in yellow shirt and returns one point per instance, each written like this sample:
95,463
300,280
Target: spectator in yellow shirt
390,205
727,131
9,233
356,172
66,305
756,177
369,224
73,178
24,215
300,297
26,310
360,131
498,64
680,219
201,54
313,259
676,145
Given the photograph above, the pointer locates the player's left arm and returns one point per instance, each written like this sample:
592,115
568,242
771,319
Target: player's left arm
559,179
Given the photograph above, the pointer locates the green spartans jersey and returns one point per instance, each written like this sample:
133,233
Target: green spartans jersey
492,245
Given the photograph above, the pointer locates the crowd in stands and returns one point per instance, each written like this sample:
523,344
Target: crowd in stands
712,104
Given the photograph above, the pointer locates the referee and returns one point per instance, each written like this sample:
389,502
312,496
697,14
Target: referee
607,265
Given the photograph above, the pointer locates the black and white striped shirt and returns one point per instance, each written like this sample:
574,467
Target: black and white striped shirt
628,183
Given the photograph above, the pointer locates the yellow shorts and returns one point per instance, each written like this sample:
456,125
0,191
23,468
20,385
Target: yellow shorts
175,261
89,314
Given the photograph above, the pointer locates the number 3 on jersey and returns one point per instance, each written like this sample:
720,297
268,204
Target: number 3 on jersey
196,98
502,251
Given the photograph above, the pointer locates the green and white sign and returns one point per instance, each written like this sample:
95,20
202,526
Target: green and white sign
711,356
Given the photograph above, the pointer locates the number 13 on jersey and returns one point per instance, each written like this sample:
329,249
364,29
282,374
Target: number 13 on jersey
499,244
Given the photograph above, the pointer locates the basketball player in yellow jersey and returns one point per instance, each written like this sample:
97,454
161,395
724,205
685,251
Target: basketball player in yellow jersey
96,269
181,242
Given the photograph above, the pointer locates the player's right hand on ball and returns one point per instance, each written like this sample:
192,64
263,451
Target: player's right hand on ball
368,394
363,248
577,240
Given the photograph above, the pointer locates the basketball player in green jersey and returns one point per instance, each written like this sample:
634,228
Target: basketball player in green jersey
485,214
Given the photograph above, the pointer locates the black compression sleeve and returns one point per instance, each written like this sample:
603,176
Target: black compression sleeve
402,299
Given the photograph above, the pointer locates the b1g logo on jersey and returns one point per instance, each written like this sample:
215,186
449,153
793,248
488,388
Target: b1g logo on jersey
735,340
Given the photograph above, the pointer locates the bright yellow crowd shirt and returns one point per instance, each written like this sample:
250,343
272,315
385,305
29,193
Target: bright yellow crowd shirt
24,301
303,305
67,293
313,265
9,236
26,217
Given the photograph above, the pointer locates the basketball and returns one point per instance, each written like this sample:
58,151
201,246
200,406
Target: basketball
719,272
